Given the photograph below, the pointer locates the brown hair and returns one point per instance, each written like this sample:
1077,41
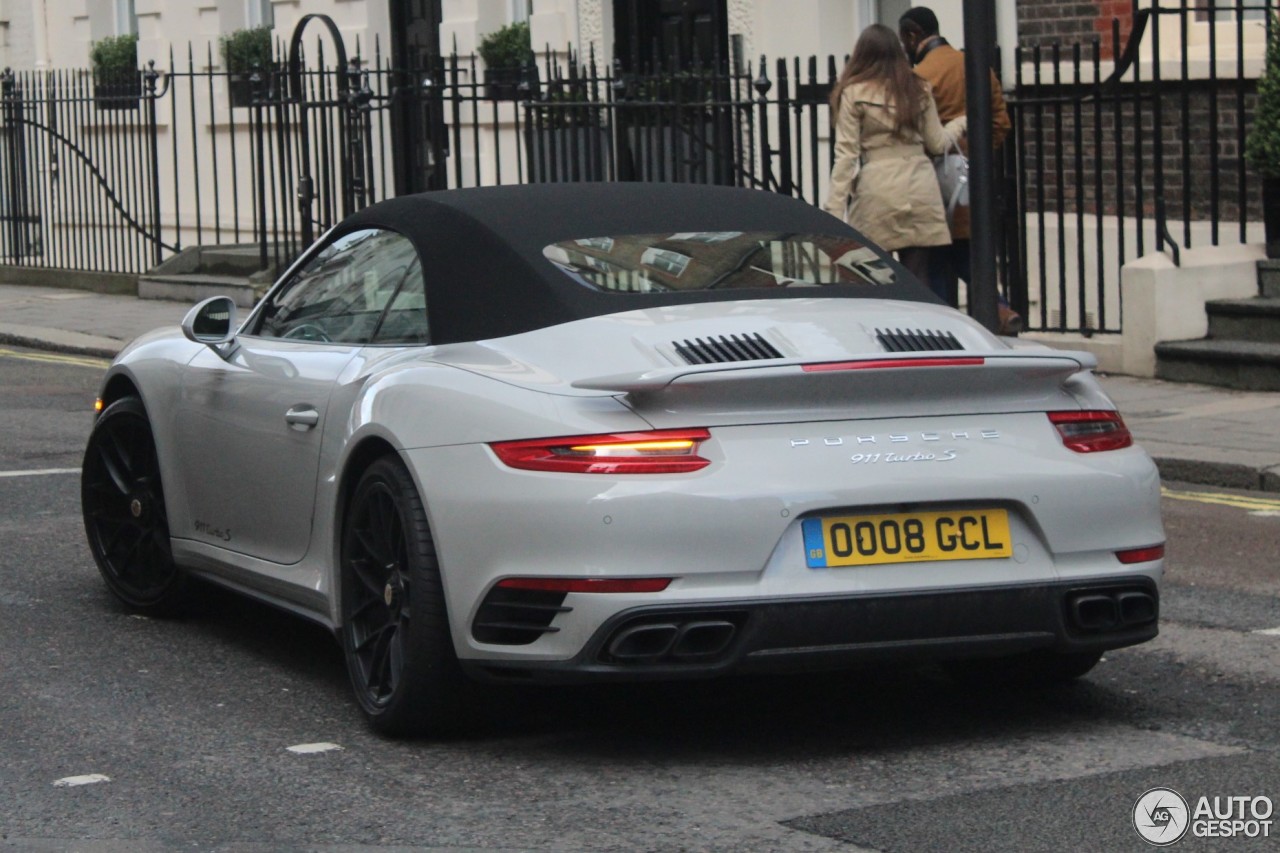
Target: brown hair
879,56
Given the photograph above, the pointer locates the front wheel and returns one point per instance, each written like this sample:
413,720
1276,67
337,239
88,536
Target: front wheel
125,520
395,629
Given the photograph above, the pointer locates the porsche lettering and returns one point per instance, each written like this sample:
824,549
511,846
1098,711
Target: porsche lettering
898,438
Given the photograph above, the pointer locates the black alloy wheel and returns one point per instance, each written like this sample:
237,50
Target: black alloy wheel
395,630
122,500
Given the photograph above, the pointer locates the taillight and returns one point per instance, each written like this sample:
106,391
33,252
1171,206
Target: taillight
587,584
672,451
1087,432
1140,555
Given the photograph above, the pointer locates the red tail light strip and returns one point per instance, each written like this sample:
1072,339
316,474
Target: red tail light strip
588,584
1091,431
894,363
1140,555
671,451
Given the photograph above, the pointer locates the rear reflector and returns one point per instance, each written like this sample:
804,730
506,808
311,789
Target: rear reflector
1140,555
672,451
893,364
588,584
1090,431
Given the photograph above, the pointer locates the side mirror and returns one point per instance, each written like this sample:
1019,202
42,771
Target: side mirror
212,323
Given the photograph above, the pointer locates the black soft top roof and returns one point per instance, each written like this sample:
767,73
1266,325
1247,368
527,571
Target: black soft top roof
482,248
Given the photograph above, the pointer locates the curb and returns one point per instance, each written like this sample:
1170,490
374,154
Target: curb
90,347
1227,475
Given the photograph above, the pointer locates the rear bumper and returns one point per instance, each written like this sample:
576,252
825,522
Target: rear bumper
698,640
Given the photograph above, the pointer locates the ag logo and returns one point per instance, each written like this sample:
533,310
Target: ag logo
1161,816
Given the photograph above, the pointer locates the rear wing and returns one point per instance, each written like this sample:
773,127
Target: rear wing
878,386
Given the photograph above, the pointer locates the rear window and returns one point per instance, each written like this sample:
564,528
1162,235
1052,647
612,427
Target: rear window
717,260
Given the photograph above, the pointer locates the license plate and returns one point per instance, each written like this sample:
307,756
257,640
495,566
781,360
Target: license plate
909,537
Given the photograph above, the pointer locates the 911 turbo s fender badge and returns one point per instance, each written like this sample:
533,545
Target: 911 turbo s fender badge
897,438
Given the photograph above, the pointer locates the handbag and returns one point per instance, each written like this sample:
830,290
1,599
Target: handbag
953,178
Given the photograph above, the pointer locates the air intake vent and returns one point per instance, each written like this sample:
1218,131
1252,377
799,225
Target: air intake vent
726,348
517,617
916,340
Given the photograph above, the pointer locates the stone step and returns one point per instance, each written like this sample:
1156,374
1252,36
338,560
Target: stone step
1269,277
1256,319
1245,365
241,261
193,287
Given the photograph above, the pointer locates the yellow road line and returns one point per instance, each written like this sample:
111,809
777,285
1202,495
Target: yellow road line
1238,501
55,358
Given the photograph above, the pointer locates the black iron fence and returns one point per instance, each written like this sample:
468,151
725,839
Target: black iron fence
1126,146
1120,147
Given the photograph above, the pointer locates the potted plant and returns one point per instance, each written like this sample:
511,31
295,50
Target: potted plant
1262,148
243,52
117,82
507,54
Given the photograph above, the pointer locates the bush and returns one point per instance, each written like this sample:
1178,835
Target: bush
243,50
1262,149
507,47
115,57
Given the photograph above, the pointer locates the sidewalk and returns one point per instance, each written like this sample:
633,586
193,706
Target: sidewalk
1196,433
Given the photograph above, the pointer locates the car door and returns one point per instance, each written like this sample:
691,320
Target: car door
250,425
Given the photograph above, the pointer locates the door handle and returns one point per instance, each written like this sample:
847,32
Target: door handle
302,417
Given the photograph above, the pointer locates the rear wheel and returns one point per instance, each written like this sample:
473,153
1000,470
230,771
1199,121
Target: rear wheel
122,499
395,629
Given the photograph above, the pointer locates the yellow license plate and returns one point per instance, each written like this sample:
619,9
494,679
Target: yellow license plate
908,537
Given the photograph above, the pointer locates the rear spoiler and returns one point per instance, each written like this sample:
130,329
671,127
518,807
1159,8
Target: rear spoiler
1055,362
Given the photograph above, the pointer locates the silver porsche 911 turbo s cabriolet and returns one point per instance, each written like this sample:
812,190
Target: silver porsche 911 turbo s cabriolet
541,434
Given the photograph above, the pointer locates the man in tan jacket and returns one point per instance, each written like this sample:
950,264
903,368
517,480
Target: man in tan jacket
943,66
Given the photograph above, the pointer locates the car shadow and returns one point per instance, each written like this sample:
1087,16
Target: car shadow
760,717
809,715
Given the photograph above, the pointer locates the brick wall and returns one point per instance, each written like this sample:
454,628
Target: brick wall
1072,21
1115,148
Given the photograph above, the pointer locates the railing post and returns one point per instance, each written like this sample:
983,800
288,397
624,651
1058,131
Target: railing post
8,208
762,85
784,128
149,82
258,128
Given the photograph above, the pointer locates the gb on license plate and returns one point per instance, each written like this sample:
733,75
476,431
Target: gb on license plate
909,537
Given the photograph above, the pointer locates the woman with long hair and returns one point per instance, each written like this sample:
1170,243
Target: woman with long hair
886,128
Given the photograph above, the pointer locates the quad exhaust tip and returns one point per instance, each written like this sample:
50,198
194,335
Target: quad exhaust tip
1107,610
687,642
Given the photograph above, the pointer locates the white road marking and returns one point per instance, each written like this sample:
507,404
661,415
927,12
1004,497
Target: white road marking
75,781
1270,632
309,748
39,472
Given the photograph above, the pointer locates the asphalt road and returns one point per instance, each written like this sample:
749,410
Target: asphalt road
191,721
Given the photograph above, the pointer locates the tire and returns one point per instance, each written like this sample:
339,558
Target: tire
395,628
122,499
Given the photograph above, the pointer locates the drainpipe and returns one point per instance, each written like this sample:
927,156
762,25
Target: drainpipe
40,27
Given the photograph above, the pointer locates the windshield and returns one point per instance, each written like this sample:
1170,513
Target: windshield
717,260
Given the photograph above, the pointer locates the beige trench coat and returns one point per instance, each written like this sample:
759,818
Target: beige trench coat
887,182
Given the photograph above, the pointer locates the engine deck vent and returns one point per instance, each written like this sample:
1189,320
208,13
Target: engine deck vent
917,340
726,348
